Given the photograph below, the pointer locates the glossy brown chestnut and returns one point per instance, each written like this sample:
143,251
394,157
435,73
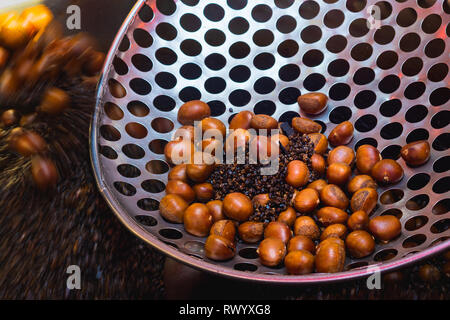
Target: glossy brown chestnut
318,163
203,191
197,220
416,153
224,228
94,63
330,215
299,262
261,199
364,199
313,102
263,121
178,173
237,206
333,196
54,101
209,124
330,255
28,143
15,32
358,220
216,209
251,231
201,171
191,111
237,139
305,126
219,248
44,172
318,185
361,181
297,173
276,229
387,171
10,117
385,227
360,244
271,252
301,243
185,133
342,134
341,154
180,188
179,152
27,119
429,273
4,56
306,200
306,226
338,173
172,207
366,157
337,230
287,216
319,141
242,120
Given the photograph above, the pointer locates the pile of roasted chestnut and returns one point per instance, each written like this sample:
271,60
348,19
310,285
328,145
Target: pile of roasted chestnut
34,56
326,218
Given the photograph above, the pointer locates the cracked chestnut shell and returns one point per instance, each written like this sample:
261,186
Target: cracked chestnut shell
219,248
364,199
224,228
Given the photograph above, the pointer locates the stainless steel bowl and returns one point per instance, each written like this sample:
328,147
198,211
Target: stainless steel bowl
383,64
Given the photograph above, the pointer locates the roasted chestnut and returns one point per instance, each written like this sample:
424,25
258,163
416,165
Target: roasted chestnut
203,191
342,134
216,209
387,171
276,229
361,181
299,262
242,120
364,199
429,273
172,207
318,185
185,133
416,153
180,188
237,139
178,173
237,206
319,141
179,152
305,126
263,121
261,199
338,173
330,215
219,248
366,157
341,154
271,251
385,228
251,231
336,230
301,243
197,220
318,163
297,173
358,220
201,171
287,216
213,124
333,196
191,111
306,200
224,228
330,255
313,102
306,226
360,244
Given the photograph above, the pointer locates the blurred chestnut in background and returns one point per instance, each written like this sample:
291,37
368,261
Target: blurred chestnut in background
54,101
271,252
366,157
4,56
10,117
28,143
172,207
191,111
342,134
197,220
429,273
385,228
242,120
28,119
237,206
416,153
313,102
39,16
387,171
299,262
44,172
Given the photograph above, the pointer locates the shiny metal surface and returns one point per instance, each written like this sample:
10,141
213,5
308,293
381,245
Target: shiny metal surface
391,82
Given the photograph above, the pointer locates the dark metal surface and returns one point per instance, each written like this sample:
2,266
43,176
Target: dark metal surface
360,80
